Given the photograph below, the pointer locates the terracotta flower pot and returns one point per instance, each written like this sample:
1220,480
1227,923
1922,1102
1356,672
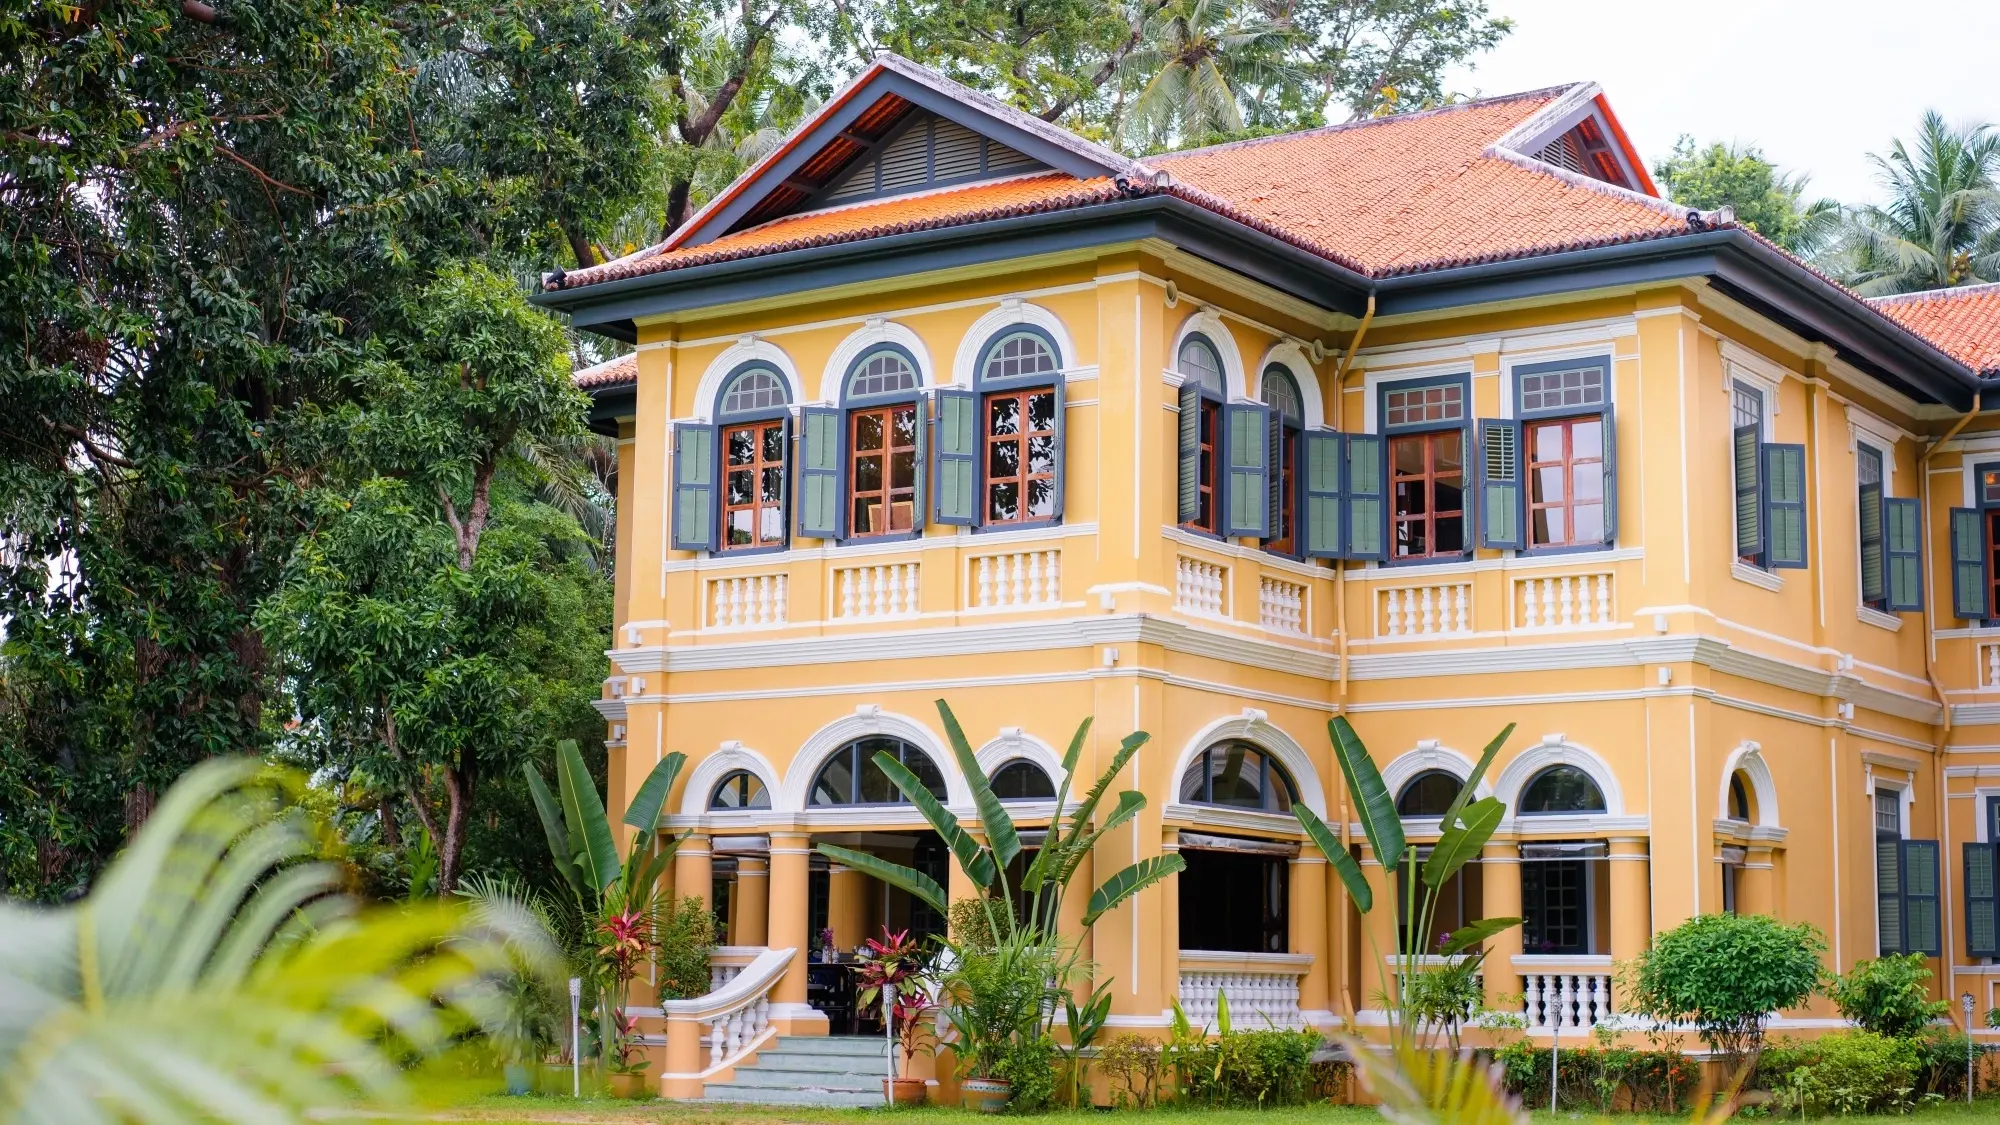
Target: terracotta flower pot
903,1091
628,1085
987,1095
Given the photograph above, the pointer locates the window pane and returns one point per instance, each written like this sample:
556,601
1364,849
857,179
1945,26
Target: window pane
741,447
1586,438
774,443
1450,535
1547,440
868,431
1550,527
1003,501
903,470
919,763
1428,794
1411,498
1449,455
1042,410
906,426
1236,772
867,516
1561,789
1193,781
1589,521
1021,780
1198,361
835,783
738,486
1042,454
1546,485
868,474
1041,498
1003,459
1003,415
773,521
882,372
1406,456
1589,480
772,486
1023,353
876,788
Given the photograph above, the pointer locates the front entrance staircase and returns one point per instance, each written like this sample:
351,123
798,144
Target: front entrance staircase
834,1070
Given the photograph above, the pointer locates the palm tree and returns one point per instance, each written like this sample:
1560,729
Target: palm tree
1941,226
219,973
1198,56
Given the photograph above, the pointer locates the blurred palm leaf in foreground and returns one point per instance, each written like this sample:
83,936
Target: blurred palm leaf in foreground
218,972
1426,1087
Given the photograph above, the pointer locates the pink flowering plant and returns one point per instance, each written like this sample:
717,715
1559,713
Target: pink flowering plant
894,966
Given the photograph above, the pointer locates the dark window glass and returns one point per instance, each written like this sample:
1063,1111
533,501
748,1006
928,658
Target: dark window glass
1235,903
1199,362
1021,456
1022,780
1739,798
753,480
1427,474
740,790
1555,903
1429,793
1561,789
1238,775
852,777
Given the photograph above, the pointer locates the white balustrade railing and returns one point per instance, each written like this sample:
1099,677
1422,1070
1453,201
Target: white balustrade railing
1201,587
1281,605
1989,666
746,602
1261,987
735,1018
1563,601
1565,1001
880,590
1425,611
1015,580
729,960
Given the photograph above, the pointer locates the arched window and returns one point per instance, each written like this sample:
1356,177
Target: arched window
1238,775
1022,780
739,789
1739,797
1018,454
1429,793
1560,789
1203,390
885,444
755,425
851,777
1288,414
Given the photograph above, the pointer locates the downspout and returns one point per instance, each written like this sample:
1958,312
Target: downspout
1344,936
1944,703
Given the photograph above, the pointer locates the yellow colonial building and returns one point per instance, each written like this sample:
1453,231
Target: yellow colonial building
1440,422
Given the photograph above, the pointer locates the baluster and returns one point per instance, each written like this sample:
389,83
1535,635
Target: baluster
1462,594
735,601
1033,592
1568,602
1428,619
715,1043
1392,608
1603,600
1529,607
1531,999
778,604
985,581
1992,666
1055,577
910,594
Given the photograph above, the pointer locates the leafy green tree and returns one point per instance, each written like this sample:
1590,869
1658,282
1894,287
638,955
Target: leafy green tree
1375,56
1200,59
1889,995
1941,226
1726,974
1737,176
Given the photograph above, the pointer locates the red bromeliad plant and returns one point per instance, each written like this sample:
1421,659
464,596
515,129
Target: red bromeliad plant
624,941
894,967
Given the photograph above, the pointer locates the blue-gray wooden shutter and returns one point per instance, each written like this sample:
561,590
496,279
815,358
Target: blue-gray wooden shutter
919,513
1062,444
694,487
1749,493
1874,577
1969,581
1246,449
819,473
1888,895
1923,929
1902,542
1274,490
1189,504
1500,484
1610,432
1318,508
1364,513
1785,506
1982,901
955,458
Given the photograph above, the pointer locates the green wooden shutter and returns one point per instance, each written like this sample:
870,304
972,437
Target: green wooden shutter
1749,493
1500,484
919,513
1189,505
819,472
694,487
1982,901
1969,583
1923,930
1319,509
1247,453
1785,506
1874,579
1888,895
955,461
1902,541
1610,432
1363,514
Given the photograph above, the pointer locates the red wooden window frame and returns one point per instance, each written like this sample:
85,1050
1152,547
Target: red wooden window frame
1427,479
1021,440
889,494
1566,463
1211,419
760,432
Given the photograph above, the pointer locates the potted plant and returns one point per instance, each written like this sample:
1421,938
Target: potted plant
892,975
828,952
998,996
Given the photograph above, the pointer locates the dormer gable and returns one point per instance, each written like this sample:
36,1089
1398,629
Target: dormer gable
1579,134
924,151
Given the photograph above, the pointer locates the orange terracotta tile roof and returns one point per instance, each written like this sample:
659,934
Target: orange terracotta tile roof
611,373
1964,323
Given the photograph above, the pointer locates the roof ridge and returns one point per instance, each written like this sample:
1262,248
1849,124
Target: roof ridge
1386,119
1924,295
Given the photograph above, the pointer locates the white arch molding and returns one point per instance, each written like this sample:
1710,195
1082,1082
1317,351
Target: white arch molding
1209,323
1010,312
709,772
866,720
1555,750
875,331
1290,356
1012,743
1255,727
1430,755
1749,758
749,349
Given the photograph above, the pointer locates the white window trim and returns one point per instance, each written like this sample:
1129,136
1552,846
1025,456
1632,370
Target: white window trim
1905,792
1765,389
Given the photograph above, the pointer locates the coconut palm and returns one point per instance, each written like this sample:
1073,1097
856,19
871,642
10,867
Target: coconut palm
1197,58
1941,226
219,973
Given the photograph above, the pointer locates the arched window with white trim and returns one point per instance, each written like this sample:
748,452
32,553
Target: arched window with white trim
1288,413
1238,774
731,476
1428,794
739,790
1022,780
1203,394
851,776
1558,791
999,451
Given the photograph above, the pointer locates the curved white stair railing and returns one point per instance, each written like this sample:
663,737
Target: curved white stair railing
734,1019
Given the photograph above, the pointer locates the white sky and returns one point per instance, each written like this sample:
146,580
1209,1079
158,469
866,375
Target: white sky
1817,84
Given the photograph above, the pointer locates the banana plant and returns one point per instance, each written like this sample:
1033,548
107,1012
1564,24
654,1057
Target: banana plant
579,833
1070,837
1464,830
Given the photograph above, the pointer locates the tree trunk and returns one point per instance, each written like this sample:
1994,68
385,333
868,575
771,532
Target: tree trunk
392,837
678,190
579,245
451,847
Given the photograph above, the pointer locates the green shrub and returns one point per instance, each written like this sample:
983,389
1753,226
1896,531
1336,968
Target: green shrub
686,939
1255,1068
1725,973
1888,996
1132,1066
1600,1077
1941,1055
1857,1072
1028,1065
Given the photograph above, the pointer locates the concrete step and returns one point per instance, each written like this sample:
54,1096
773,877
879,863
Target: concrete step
760,1075
850,1045
824,1064
765,1095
